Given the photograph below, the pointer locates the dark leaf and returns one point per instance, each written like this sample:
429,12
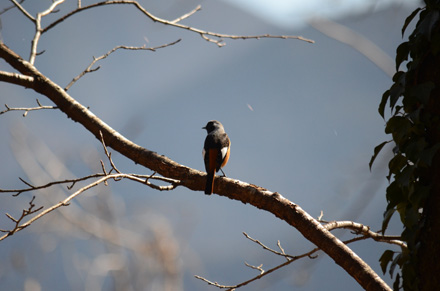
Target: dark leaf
398,88
396,284
409,19
377,150
394,264
399,127
397,163
406,176
411,217
383,102
427,155
394,195
428,23
386,257
423,91
386,219
402,54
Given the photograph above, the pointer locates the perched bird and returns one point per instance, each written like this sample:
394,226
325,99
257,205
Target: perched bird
215,152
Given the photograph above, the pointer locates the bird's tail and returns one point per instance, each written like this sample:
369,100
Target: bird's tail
209,184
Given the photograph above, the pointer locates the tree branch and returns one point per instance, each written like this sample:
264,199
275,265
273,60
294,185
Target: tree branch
26,109
17,79
204,34
24,11
95,60
291,258
65,202
366,232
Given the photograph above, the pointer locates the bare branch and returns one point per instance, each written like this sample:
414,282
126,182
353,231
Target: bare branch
366,232
26,109
90,70
21,8
262,274
33,188
204,34
109,156
139,178
199,7
39,30
25,213
259,268
65,202
51,8
215,283
269,249
290,259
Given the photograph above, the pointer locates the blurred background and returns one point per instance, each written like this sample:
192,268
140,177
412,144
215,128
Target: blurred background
302,118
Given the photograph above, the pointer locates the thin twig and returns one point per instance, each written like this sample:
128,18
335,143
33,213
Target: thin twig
267,248
24,213
140,178
199,7
39,30
26,109
109,156
24,11
259,268
33,188
89,69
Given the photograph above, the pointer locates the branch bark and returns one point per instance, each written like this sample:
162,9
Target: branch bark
195,180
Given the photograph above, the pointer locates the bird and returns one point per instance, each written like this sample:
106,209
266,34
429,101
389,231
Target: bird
216,151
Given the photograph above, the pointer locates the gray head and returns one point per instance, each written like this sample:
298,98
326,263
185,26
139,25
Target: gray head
213,125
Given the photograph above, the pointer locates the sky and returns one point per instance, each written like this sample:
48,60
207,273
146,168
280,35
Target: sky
296,13
302,119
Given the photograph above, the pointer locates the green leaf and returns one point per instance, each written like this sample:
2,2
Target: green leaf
386,257
377,150
409,19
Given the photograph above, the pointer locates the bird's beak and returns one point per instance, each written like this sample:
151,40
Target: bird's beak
204,127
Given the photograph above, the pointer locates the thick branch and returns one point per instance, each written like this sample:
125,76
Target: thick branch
195,180
17,79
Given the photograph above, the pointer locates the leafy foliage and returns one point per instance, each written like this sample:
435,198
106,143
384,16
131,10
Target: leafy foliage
413,118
